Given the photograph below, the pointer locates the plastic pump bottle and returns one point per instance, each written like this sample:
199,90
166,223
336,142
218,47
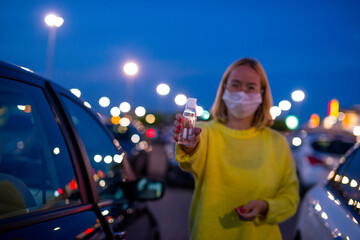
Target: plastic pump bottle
189,124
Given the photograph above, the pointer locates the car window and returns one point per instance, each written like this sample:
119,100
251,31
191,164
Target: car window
35,167
346,182
105,158
332,146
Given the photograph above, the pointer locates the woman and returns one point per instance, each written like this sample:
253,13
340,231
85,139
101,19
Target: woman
245,176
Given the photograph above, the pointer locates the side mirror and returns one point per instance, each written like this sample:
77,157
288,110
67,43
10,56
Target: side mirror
149,190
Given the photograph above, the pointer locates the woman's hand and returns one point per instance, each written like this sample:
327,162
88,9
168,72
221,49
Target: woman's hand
250,211
179,123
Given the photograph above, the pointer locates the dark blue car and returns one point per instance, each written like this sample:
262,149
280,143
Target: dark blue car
62,174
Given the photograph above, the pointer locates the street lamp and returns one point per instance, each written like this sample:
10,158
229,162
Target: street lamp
53,22
298,95
140,111
285,105
131,68
180,99
104,102
125,107
163,89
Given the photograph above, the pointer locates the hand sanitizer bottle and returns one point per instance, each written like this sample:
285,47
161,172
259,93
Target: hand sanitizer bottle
189,123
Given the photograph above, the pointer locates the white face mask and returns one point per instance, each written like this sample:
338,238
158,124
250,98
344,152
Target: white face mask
241,104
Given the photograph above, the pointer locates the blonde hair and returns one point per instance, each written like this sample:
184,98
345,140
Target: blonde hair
262,115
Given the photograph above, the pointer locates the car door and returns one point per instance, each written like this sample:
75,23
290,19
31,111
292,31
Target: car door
110,172
43,192
345,188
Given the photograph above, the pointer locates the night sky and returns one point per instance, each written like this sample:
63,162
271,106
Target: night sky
309,45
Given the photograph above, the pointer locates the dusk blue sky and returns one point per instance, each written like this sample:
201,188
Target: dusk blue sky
310,45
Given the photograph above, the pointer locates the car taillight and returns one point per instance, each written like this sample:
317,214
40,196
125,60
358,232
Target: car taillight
314,161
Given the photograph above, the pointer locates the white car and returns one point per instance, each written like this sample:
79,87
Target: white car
317,153
331,210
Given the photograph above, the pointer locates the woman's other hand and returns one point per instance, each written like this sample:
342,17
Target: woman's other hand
253,209
178,124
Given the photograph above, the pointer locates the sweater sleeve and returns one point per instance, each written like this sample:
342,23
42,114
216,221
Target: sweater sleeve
284,203
195,161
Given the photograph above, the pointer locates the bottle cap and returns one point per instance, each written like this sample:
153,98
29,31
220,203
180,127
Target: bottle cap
191,103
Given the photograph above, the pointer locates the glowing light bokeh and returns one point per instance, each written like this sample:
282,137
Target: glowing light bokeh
102,183
292,122
163,89
298,95
21,107
285,105
108,159
329,121
180,99
27,69
150,133
296,141
314,120
105,212
115,120
76,92
87,104
341,116
97,158
356,131
205,115
140,111
135,138
150,118
199,111
118,158
104,101
345,180
56,151
142,145
125,107
27,109
353,183
131,68
333,108
275,111
115,111
125,122
53,21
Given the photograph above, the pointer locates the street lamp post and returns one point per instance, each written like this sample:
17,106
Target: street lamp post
131,69
53,22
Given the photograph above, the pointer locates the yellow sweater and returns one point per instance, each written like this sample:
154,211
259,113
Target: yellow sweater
231,168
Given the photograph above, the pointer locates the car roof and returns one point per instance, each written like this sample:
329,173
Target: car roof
23,74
